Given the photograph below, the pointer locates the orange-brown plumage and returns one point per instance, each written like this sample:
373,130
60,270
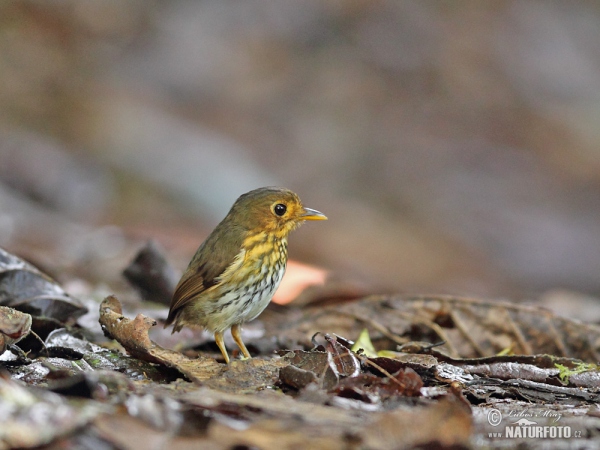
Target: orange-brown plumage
235,272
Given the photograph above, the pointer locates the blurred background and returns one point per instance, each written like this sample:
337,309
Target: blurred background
454,146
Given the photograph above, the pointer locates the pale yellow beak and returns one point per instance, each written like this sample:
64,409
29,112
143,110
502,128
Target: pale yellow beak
312,214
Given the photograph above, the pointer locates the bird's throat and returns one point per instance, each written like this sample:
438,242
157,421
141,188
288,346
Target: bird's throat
265,248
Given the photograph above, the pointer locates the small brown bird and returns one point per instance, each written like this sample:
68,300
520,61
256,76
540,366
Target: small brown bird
237,269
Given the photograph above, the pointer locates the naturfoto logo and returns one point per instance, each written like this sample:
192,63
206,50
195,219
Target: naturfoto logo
525,427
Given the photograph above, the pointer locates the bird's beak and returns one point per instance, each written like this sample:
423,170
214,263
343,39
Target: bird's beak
312,214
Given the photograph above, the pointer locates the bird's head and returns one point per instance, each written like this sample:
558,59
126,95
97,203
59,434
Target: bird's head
271,210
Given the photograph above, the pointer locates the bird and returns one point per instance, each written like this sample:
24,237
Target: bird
235,272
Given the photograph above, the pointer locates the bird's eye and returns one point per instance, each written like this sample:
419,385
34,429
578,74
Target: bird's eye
280,209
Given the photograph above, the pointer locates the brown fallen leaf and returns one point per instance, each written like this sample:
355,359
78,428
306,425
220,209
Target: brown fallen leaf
319,363
14,326
133,335
248,375
469,328
342,358
297,377
325,368
240,376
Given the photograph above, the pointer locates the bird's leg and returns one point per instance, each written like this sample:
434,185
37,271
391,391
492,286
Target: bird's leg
236,332
221,344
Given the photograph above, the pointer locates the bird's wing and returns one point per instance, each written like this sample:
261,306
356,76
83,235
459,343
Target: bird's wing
215,256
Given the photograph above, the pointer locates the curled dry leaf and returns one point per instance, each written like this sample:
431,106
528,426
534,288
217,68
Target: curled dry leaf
133,335
24,287
342,358
14,326
239,376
